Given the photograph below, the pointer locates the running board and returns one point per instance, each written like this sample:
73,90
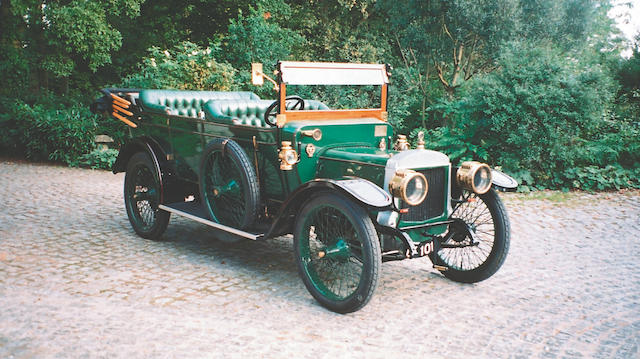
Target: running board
193,210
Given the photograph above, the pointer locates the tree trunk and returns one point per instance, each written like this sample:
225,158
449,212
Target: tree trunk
38,27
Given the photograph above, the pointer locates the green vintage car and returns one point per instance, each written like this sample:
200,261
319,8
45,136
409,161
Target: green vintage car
352,194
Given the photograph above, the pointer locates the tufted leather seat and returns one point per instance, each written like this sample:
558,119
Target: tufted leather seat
247,112
186,103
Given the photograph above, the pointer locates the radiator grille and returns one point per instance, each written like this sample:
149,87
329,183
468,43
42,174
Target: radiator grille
433,205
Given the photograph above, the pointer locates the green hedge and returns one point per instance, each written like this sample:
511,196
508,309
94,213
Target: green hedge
52,128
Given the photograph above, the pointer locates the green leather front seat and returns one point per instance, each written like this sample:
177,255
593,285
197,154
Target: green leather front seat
186,103
247,112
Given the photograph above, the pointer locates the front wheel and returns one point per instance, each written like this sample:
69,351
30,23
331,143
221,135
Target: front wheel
478,241
337,252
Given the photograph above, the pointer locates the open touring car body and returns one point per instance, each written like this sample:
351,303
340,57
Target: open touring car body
255,168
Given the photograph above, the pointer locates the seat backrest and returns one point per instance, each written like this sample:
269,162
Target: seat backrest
247,112
186,103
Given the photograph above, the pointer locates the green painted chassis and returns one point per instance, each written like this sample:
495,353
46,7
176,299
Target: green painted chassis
348,148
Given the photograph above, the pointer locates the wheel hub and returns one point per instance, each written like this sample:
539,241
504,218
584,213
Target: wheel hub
460,231
232,186
338,251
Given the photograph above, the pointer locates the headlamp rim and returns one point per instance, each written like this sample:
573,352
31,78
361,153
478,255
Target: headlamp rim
400,181
465,176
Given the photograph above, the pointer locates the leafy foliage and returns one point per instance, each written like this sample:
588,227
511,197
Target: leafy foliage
47,130
97,159
559,108
452,142
187,67
547,115
258,37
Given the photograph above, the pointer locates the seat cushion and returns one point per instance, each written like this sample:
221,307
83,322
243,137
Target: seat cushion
247,112
186,103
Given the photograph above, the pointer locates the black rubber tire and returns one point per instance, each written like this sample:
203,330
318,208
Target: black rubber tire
495,241
141,174
237,207
362,245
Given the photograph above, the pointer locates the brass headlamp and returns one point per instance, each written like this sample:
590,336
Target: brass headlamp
474,176
410,186
288,156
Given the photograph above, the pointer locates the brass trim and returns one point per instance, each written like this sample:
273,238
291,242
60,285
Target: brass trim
401,143
281,119
383,144
316,134
400,181
310,149
467,172
285,150
420,145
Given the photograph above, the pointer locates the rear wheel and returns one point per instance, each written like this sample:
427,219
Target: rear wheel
337,252
142,197
478,241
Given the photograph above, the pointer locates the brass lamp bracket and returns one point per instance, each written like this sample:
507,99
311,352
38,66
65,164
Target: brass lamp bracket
257,76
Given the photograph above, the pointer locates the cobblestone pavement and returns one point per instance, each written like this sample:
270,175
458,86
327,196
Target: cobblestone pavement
75,281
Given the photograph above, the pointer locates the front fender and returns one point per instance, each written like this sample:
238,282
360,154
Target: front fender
503,182
500,182
359,190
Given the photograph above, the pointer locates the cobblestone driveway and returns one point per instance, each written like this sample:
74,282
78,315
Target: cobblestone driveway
75,281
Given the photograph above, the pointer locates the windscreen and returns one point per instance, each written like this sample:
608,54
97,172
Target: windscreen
330,73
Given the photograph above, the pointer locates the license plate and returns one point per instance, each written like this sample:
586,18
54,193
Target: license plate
423,249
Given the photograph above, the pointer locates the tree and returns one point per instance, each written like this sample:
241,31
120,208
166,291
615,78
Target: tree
60,38
166,23
258,37
539,113
451,40
185,66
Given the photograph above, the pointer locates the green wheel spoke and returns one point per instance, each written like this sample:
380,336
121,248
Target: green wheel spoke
228,186
337,277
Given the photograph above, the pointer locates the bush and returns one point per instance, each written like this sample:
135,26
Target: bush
186,66
97,159
452,142
591,178
47,129
545,118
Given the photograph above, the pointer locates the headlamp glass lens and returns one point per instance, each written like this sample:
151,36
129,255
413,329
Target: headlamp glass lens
291,157
415,190
482,179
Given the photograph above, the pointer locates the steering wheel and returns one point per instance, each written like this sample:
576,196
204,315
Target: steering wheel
274,108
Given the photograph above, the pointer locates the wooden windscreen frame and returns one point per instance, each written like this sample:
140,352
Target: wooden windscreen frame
285,115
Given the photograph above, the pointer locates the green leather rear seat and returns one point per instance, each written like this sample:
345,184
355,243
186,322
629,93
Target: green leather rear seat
247,112
186,103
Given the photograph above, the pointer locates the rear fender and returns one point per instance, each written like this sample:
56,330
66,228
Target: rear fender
140,144
361,191
169,192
